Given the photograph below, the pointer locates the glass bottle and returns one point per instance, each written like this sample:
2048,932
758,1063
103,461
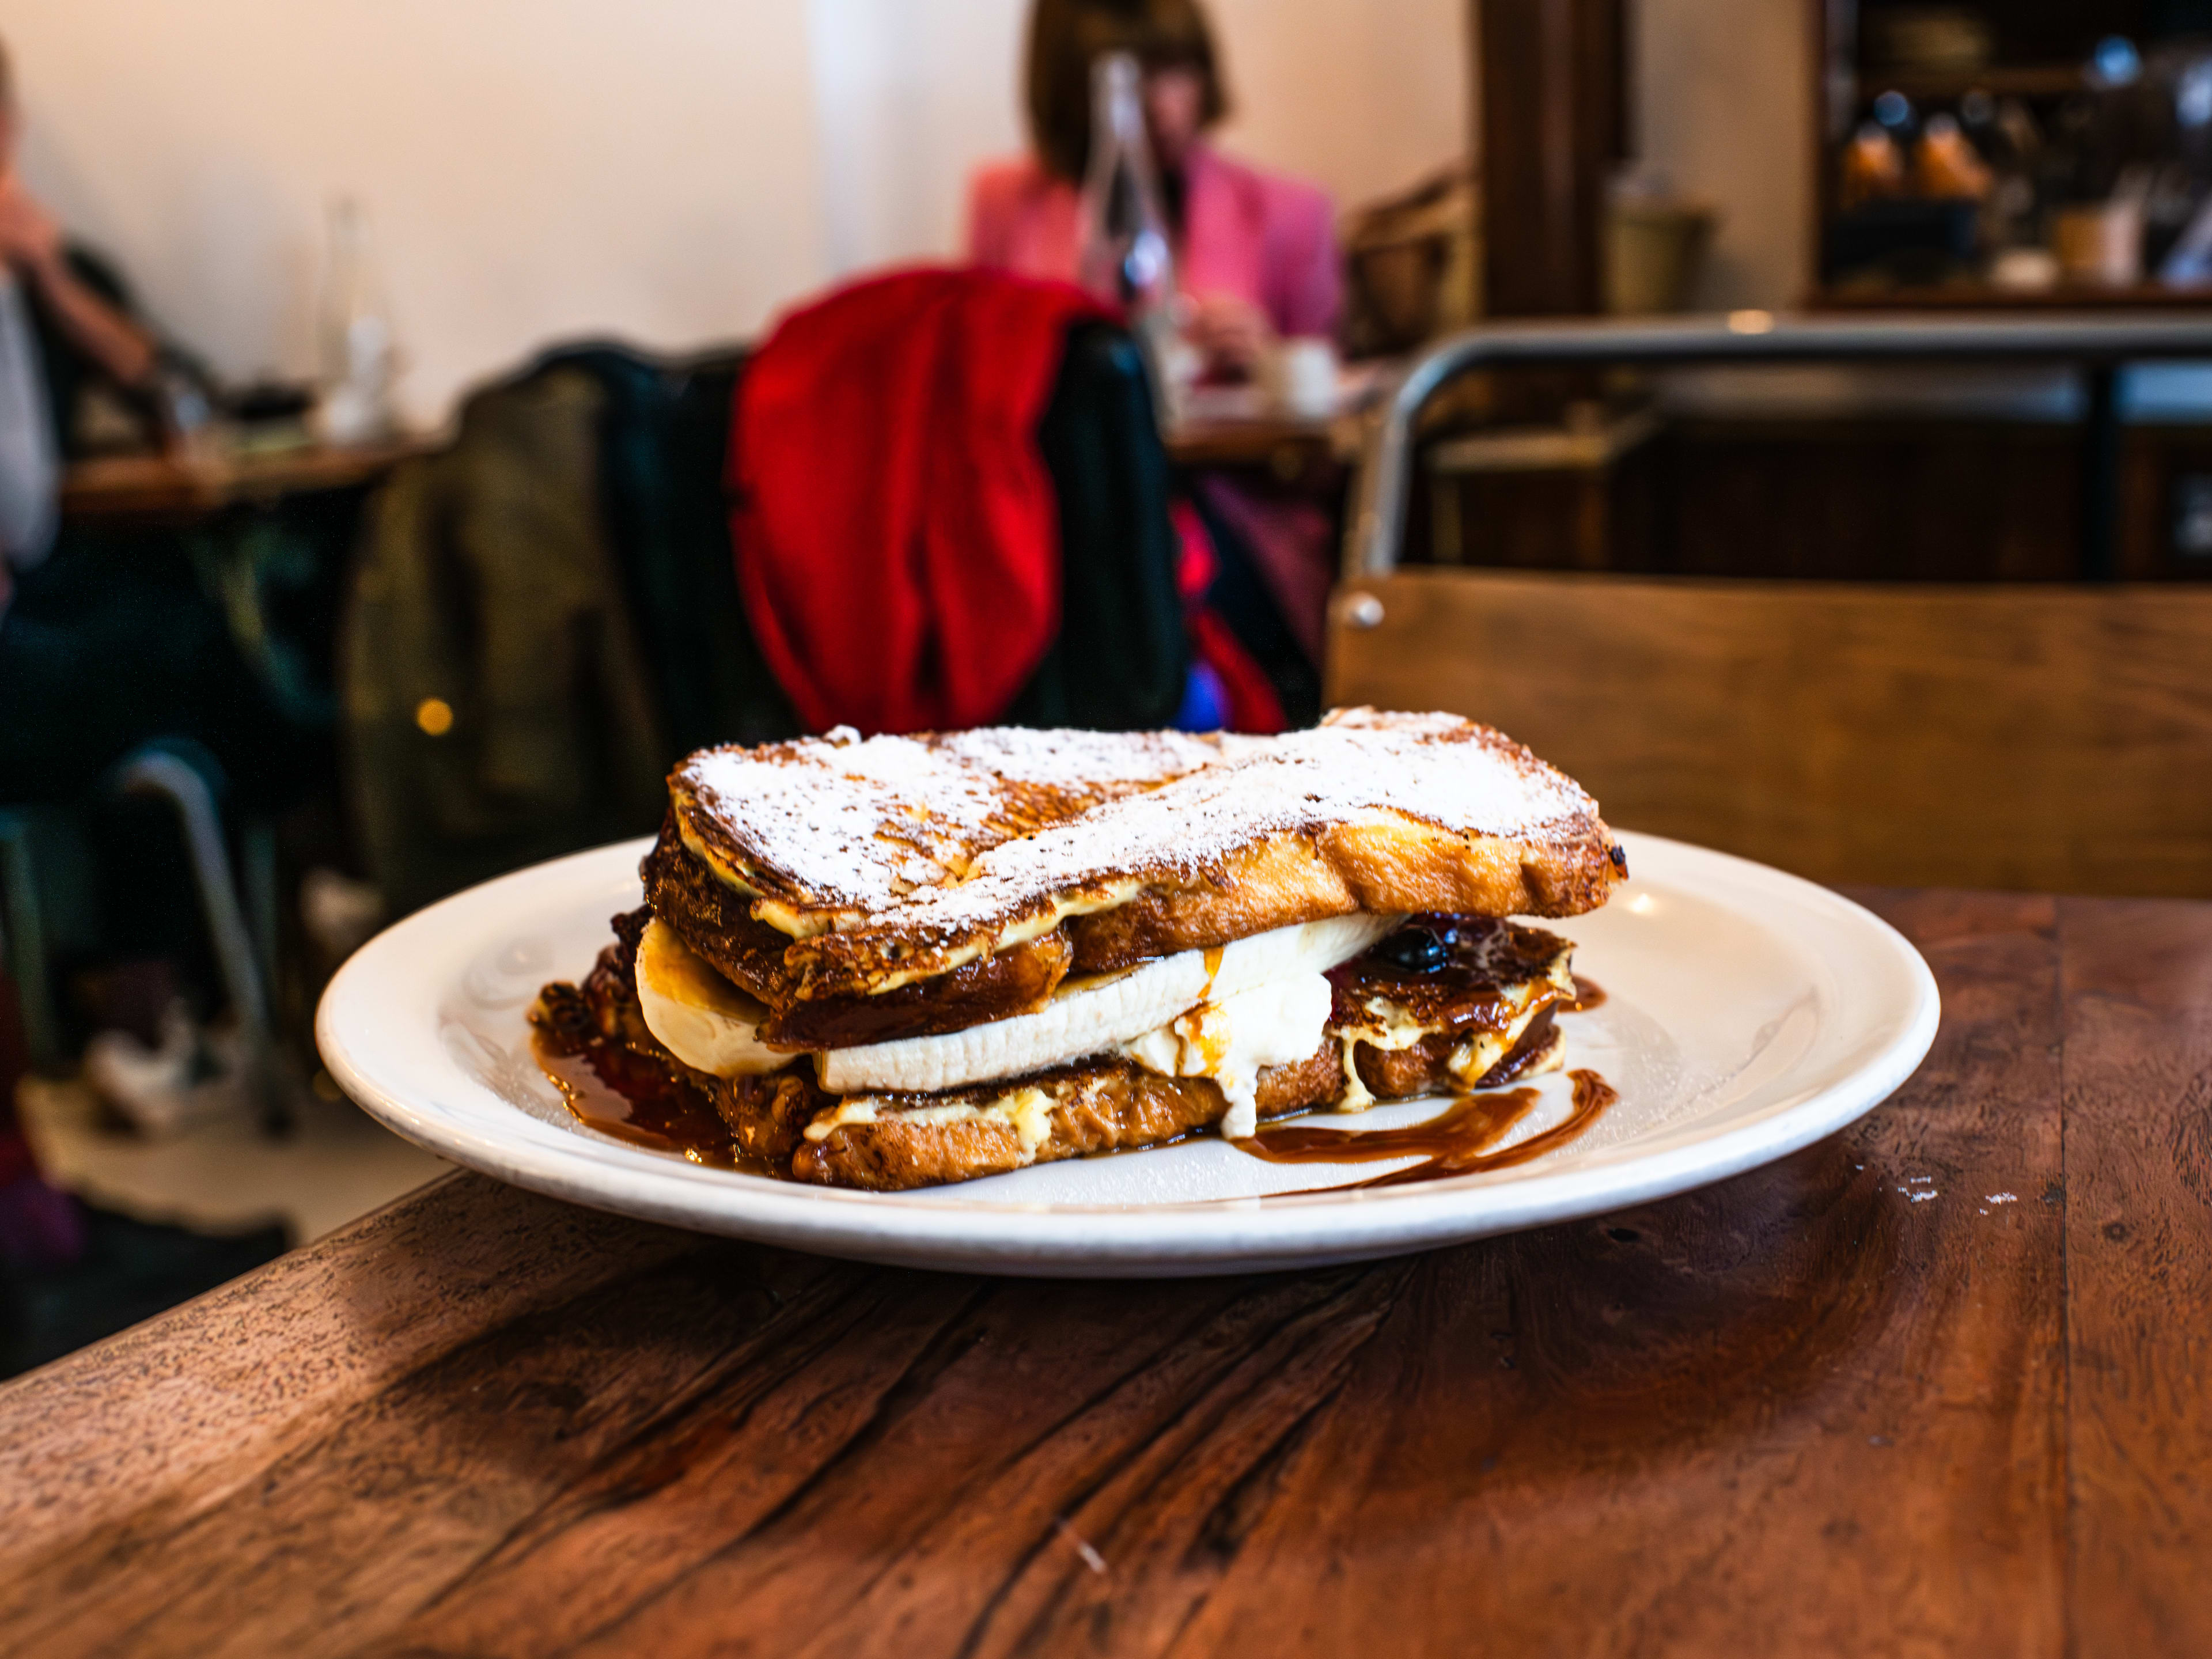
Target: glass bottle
1126,257
356,336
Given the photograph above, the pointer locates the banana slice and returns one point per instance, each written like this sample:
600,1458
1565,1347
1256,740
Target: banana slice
1093,1016
703,1020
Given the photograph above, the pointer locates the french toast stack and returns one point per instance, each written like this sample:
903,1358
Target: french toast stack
895,962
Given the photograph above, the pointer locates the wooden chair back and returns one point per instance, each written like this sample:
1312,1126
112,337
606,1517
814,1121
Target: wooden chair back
2052,739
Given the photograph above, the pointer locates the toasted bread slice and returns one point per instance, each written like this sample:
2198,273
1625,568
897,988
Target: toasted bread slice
893,861
891,1143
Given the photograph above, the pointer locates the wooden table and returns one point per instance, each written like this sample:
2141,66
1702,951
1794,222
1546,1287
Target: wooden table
1291,451
1860,1402
175,488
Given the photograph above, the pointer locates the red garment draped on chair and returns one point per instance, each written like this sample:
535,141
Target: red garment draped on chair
897,535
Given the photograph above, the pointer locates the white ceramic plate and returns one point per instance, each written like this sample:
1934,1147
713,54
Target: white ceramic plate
1748,1013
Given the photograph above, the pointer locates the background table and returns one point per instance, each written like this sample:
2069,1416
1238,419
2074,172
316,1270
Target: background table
1937,1385
1289,450
173,489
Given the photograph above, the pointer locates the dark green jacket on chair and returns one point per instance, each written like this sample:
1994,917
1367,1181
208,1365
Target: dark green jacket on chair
497,707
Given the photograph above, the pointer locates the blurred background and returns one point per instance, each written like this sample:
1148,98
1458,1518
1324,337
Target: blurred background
422,424
534,170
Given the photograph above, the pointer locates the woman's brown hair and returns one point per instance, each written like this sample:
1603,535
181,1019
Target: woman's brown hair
1066,36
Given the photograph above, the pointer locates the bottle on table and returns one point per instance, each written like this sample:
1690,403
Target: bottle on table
357,353
1127,258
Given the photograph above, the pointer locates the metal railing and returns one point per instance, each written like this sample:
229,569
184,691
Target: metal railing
2098,343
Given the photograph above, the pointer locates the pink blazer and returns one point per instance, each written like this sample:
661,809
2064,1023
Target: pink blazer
1261,238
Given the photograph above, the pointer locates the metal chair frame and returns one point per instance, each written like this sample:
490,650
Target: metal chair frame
244,950
2100,343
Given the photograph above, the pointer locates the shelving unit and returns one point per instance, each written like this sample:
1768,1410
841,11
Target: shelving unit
2041,49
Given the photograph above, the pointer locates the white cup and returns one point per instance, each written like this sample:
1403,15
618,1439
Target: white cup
1299,378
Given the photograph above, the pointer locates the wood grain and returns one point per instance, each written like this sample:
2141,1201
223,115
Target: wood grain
225,1380
2139,1265
1822,1407
1902,499
1836,498
2026,737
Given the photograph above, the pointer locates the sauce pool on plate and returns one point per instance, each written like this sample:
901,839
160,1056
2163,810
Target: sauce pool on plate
624,1095
1456,1142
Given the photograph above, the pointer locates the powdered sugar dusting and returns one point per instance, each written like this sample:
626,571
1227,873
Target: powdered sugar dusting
1082,761
1332,774
840,824
938,836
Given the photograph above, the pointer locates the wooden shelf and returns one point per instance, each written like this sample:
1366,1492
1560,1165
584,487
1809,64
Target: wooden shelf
1544,448
1983,296
1998,80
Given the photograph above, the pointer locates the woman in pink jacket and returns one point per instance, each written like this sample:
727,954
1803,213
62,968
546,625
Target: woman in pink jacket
1256,258
1256,253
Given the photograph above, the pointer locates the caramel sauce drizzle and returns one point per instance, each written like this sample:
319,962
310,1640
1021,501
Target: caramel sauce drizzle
1456,1143
1588,994
632,1098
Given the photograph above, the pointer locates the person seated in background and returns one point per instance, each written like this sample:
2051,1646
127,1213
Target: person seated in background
1255,260
107,642
1256,253
65,326
77,308
102,647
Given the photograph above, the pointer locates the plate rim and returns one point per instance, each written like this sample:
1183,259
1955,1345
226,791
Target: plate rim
1233,1234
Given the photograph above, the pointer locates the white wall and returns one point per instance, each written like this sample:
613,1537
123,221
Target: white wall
531,169
911,95
672,172
1363,97
1723,106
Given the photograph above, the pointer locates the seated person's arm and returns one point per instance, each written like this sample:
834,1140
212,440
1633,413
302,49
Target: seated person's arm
31,242
29,472
1232,331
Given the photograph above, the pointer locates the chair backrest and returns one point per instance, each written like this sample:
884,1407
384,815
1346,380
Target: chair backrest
2037,737
1118,661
